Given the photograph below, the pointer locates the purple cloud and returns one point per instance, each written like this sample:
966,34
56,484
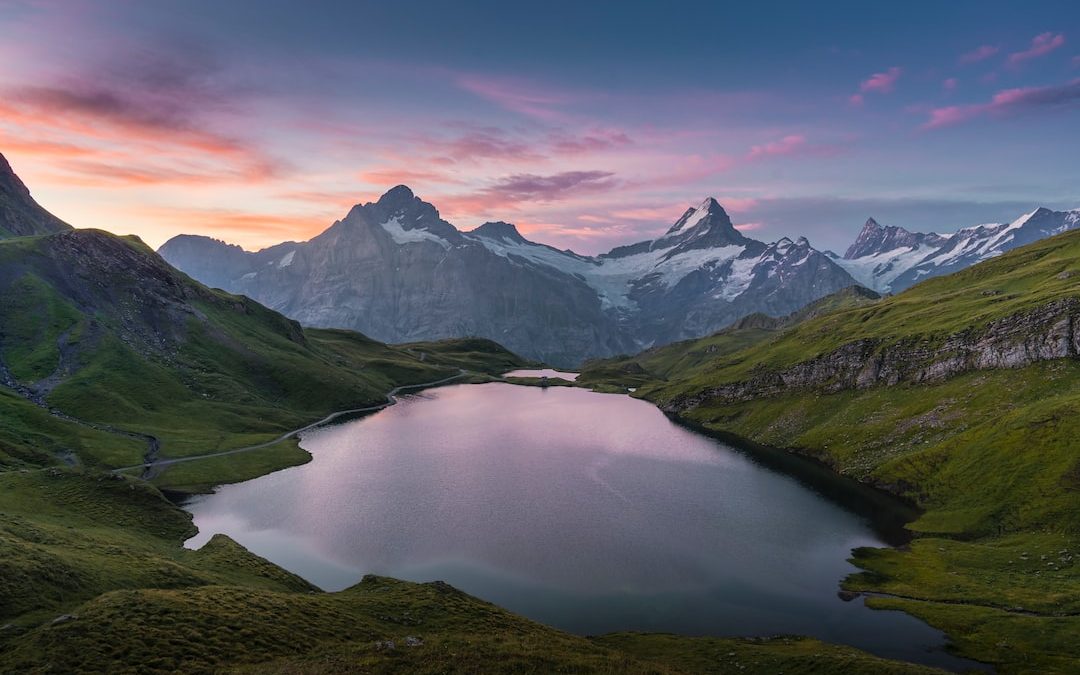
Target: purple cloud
1041,44
530,186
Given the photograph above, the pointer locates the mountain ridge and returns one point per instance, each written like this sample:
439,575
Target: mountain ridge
20,215
367,272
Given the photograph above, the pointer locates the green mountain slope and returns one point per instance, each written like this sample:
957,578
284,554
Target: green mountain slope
122,356
961,394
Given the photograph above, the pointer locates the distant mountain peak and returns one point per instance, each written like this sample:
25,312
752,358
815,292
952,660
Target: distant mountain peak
499,230
706,225
397,197
20,215
875,238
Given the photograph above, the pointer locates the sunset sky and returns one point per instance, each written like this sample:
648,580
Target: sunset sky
589,124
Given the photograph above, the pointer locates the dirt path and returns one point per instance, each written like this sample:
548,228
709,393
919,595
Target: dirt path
152,467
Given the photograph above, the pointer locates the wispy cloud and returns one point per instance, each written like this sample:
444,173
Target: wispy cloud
1008,102
543,188
788,145
792,145
1041,44
882,83
980,53
518,96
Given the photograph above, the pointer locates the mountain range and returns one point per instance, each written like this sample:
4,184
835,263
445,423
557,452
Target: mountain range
890,259
395,270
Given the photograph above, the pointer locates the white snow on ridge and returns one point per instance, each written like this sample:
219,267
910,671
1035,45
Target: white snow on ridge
402,236
287,260
874,271
742,273
611,277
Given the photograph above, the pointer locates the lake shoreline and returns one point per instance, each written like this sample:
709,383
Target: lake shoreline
755,453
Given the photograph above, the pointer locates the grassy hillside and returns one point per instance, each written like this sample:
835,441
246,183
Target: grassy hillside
992,456
681,358
99,328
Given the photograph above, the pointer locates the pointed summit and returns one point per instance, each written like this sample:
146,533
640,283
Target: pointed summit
397,197
704,226
20,215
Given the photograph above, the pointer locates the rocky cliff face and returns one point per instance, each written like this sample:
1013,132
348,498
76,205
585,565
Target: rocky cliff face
1048,332
20,215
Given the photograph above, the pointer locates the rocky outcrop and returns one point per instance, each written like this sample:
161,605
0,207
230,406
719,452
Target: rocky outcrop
1042,334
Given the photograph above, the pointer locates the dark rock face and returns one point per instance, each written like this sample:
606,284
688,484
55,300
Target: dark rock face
20,215
396,271
1048,332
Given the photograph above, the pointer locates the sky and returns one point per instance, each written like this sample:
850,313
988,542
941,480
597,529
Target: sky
587,124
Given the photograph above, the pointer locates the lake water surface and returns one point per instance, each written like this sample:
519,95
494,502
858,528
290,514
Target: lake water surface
589,512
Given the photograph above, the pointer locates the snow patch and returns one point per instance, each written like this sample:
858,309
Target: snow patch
402,236
287,260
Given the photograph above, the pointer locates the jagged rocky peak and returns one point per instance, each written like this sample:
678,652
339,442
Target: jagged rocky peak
875,238
400,209
500,230
20,215
399,197
704,226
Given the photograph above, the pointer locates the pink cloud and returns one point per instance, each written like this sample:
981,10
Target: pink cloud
648,213
1041,44
738,204
749,227
788,145
881,82
949,84
1008,102
856,99
980,54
